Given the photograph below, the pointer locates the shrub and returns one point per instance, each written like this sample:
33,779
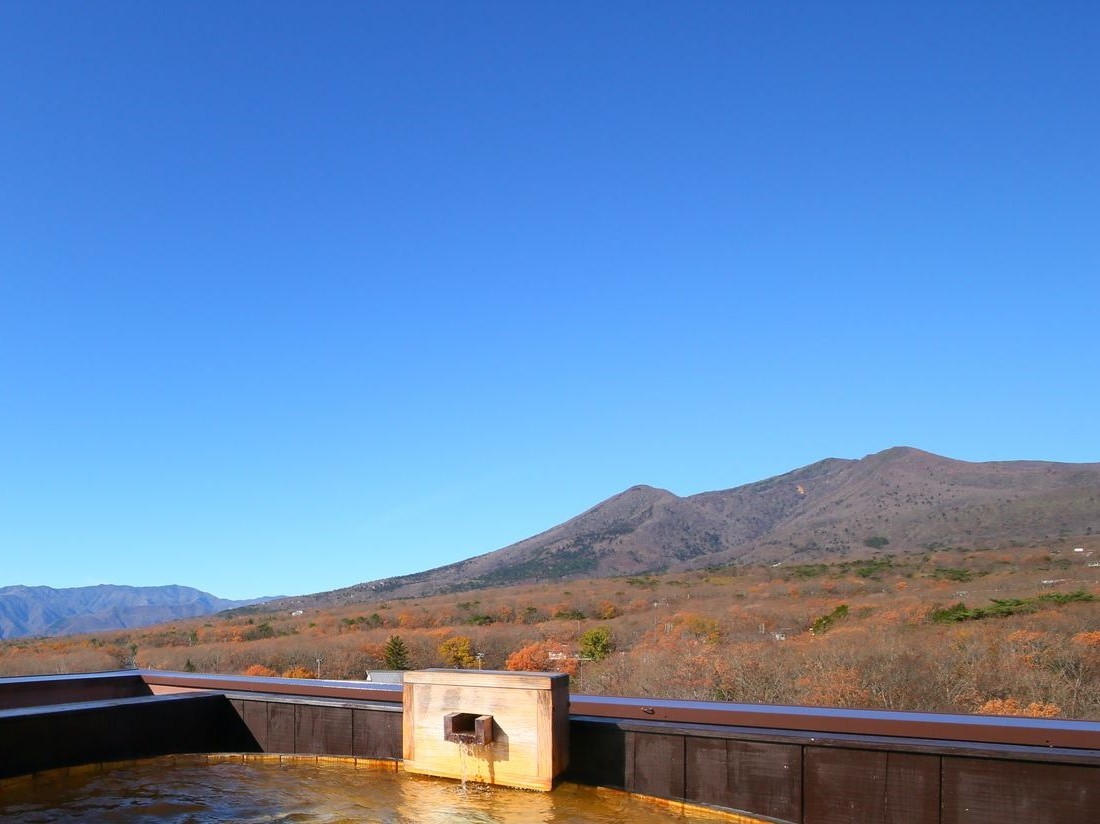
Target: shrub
259,670
607,610
1010,706
597,644
457,652
953,574
825,622
540,657
568,614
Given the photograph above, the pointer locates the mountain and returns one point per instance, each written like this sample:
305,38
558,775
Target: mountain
48,611
897,500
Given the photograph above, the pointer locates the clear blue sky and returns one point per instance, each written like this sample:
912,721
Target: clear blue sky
297,295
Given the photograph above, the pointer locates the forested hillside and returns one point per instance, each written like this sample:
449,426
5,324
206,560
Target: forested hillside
1006,630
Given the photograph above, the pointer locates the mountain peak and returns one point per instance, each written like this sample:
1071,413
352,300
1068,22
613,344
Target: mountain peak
831,508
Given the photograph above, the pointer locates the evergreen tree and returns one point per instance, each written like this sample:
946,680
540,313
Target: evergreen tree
396,654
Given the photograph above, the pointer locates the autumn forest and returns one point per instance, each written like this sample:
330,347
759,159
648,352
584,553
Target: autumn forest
1014,630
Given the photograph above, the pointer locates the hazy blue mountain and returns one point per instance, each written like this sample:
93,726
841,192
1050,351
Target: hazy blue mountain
48,611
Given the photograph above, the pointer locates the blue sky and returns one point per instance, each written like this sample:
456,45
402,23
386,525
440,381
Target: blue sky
294,295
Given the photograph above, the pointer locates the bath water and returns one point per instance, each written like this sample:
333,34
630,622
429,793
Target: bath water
197,790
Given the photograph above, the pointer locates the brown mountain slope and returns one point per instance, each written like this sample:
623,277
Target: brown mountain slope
915,500
901,499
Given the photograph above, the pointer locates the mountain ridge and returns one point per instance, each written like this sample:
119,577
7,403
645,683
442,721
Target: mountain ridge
896,500
43,610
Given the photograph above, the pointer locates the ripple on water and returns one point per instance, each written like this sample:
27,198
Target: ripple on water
171,791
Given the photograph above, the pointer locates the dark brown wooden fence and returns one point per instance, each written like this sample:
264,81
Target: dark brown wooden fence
61,689
322,727
33,739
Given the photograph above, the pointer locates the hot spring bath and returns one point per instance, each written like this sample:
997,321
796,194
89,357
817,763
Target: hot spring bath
255,789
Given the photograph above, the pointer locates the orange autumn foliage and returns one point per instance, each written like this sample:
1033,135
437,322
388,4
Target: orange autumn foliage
536,657
259,670
607,610
838,687
1010,706
299,672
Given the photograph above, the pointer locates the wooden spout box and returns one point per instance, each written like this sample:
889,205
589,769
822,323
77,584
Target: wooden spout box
530,732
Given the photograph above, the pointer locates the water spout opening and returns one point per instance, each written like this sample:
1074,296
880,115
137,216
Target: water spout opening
467,728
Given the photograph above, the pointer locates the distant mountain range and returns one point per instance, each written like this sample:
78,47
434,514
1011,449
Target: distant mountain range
48,611
898,500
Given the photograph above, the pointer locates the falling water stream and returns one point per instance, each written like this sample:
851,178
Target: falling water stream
465,754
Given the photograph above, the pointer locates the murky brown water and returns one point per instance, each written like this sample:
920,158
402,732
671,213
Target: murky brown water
191,791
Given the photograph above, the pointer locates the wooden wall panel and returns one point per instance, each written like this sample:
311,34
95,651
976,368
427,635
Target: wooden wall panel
230,732
987,791
86,737
309,732
254,715
41,691
142,731
284,727
324,730
114,730
597,754
376,734
912,788
847,786
655,764
843,786
280,727
756,777
34,751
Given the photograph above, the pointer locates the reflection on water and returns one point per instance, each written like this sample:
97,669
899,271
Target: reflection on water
191,791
